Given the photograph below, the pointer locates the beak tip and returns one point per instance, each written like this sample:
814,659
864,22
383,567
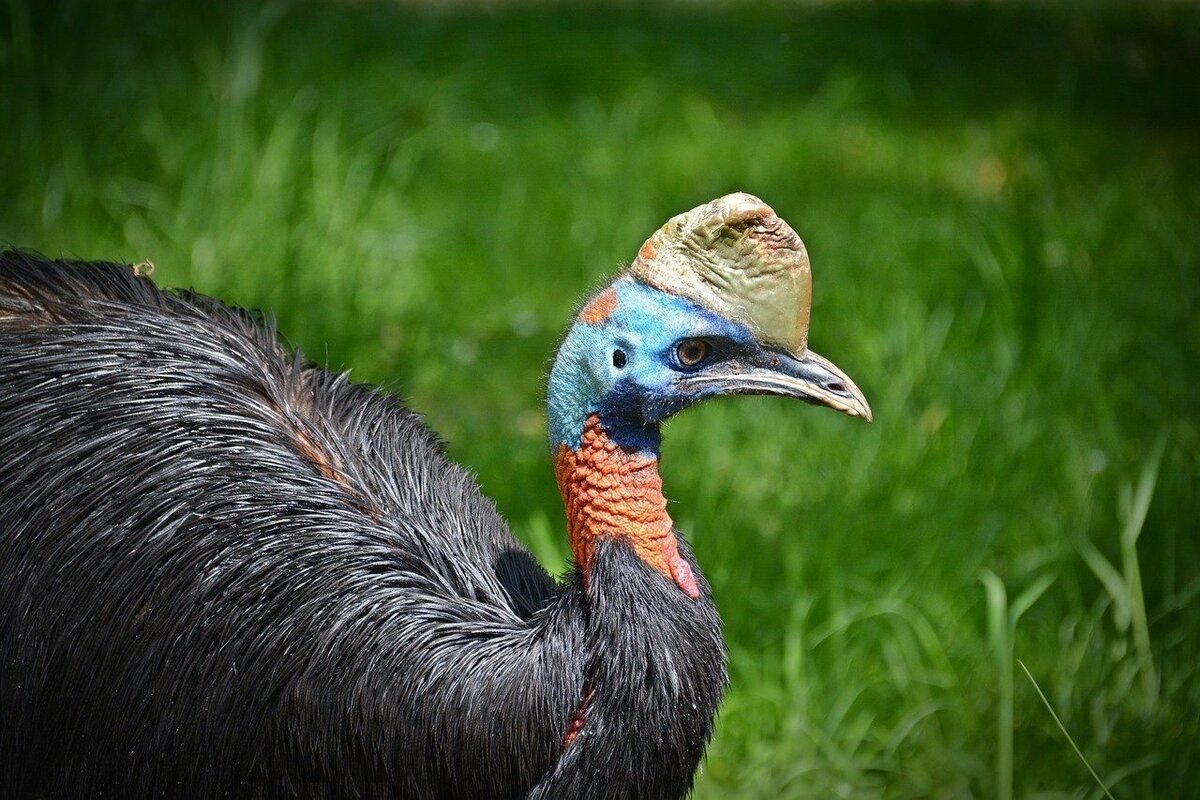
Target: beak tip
839,392
865,410
862,411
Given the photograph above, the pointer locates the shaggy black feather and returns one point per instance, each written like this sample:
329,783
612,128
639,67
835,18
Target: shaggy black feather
227,573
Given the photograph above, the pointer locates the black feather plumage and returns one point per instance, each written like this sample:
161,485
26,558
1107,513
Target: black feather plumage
225,572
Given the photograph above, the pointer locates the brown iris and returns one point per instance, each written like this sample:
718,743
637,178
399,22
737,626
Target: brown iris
691,352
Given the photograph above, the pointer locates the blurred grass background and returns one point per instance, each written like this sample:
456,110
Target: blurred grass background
1002,205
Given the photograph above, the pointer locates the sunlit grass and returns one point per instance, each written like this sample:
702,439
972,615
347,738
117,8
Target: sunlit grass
1001,207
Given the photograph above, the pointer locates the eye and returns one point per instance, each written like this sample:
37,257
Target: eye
691,352
619,359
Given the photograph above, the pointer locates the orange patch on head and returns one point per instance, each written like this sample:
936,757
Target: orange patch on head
648,250
600,308
611,492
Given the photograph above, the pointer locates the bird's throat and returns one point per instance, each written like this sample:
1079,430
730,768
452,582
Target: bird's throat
612,492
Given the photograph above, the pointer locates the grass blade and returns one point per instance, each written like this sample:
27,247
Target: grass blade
1063,728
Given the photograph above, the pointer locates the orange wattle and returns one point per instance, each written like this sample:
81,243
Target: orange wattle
609,491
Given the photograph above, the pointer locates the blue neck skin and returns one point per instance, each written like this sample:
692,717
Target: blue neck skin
584,380
644,324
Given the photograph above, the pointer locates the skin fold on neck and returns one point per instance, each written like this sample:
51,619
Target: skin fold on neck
612,491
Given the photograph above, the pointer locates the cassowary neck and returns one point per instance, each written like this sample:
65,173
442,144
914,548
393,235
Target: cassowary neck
605,451
611,491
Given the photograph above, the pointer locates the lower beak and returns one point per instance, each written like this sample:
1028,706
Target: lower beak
811,378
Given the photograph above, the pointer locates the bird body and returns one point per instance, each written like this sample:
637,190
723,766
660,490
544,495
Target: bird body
226,572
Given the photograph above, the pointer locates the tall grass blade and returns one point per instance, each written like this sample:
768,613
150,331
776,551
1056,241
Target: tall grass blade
1063,728
1026,599
1134,521
1000,638
1112,580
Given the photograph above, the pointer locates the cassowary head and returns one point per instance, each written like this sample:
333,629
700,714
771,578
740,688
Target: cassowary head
716,303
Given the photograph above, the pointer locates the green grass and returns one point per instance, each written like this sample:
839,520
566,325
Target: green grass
1002,205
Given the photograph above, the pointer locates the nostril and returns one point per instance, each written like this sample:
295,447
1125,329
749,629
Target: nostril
835,386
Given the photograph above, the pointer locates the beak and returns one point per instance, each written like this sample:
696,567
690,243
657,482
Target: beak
811,378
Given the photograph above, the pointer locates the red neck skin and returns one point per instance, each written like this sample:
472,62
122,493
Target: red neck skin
611,492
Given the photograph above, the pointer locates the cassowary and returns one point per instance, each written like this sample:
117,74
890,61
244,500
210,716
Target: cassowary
225,572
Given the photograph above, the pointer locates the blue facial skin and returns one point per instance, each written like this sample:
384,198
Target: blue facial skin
632,398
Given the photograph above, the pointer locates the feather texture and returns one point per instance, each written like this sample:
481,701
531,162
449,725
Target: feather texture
227,572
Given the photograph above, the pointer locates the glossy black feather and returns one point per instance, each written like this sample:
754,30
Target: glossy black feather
225,572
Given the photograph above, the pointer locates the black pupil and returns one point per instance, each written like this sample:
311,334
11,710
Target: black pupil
618,358
692,352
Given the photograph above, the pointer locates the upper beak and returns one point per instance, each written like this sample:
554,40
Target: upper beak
811,378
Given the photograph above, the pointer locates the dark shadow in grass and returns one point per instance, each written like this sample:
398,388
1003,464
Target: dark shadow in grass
923,62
